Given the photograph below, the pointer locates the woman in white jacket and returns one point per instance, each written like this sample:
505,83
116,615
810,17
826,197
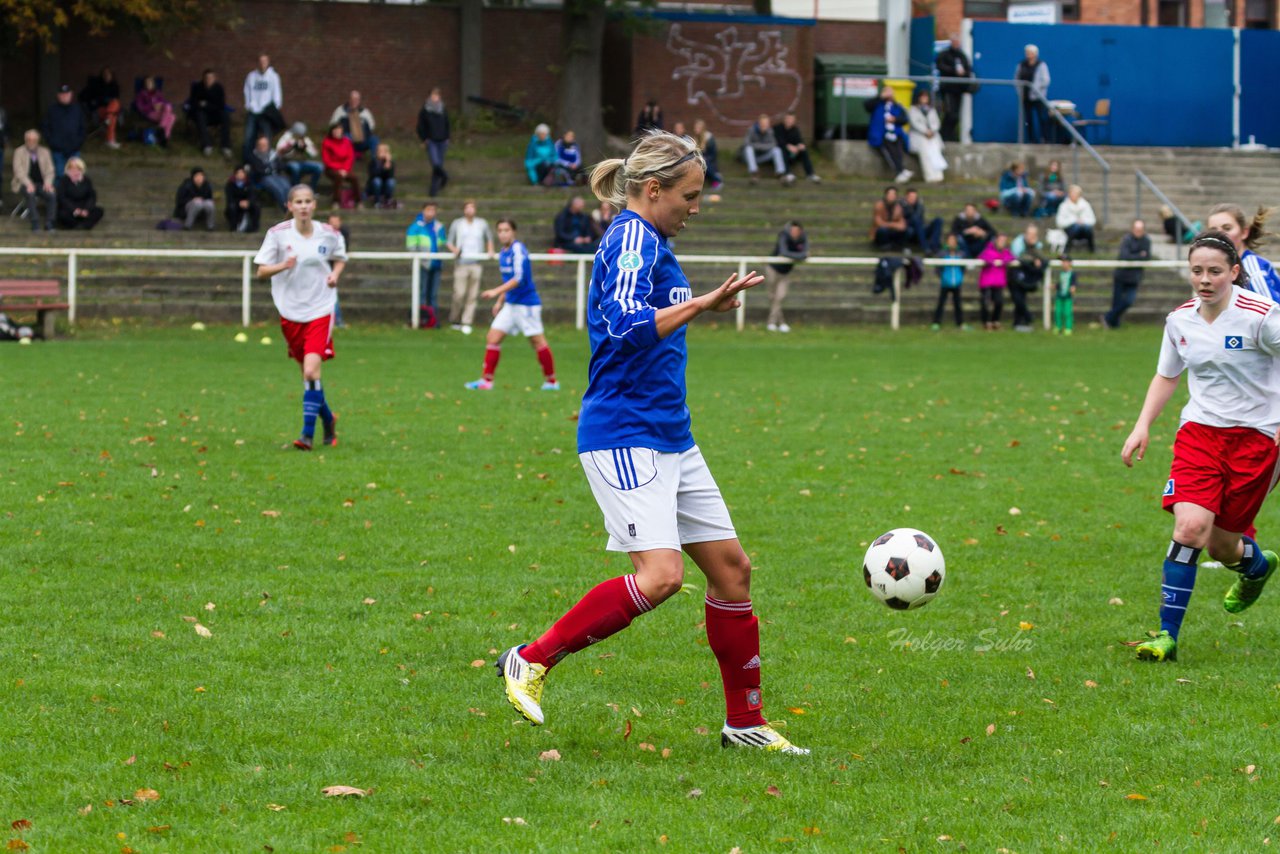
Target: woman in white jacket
1076,217
926,137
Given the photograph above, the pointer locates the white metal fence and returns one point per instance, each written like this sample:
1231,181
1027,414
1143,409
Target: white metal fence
415,260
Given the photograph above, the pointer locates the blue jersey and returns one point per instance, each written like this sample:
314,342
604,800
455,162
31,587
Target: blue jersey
1261,275
513,263
635,384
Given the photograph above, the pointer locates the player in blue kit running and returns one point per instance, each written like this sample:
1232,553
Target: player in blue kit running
518,311
636,447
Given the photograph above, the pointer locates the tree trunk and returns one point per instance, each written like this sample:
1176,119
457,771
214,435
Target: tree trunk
471,53
582,39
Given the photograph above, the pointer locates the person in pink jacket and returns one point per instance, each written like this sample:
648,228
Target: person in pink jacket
992,279
152,105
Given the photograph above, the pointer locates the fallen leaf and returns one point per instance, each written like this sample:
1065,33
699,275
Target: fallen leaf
1014,511
146,795
517,820
697,793
966,740
644,745
666,754
17,845
1183,681
663,840
701,730
1249,769
1089,683
202,631
351,837
1031,674
944,838
158,634
795,710
276,807
1025,626
131,760
343,792
21,824
774,791
551,755
209,606
86,809
368,601
1115,600
1134,796
271,514
479,662
200,689
626,730
991,729
159,828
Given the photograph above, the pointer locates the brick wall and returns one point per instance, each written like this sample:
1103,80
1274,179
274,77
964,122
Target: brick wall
724,72
1119,12
860,37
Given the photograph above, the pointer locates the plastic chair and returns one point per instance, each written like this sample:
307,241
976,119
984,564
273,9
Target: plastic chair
1101,119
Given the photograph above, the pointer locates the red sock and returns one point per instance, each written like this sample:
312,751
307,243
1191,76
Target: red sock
734,635
548,364
607,609
491,354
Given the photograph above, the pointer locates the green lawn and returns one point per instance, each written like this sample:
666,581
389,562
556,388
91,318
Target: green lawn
358,597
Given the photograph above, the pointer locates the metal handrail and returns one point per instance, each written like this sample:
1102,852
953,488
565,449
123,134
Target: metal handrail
1139,179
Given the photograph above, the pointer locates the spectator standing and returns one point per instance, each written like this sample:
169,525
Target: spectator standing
952,277
952,62
650,118
77,200
794,150
1134,246
339,158
973,230
433,130
889,222
1034,72
761,144
569,157
194,200
1026,277
539,155
207,107
710,153
1015,191
927,233
64,129
263,100
926,137
153,106
240,205
469,238
792,243
1075,216
101,98
885,132
1053,189
381,189
298,153
33,175
573,228
267,172
1064,296
357,123
994,276
427,234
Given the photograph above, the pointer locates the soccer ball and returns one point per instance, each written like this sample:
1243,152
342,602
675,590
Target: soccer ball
904,568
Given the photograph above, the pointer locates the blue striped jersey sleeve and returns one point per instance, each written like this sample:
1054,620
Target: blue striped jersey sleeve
628,262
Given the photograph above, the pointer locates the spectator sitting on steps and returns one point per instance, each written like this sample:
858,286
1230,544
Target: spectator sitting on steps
153,106
1076,217
789,137
886,132
540,155
889,222
357,123
194,199
299,153
574,229
761,144
339,158
33,177
207,105
569,157
101,98
267,172
240,206
973,230
77,200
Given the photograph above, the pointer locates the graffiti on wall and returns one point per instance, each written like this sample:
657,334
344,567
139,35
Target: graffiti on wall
727,75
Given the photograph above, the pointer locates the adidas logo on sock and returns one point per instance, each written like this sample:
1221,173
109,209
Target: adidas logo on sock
753,664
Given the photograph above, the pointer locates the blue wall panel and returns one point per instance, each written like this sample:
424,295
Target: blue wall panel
1168,86
1260,100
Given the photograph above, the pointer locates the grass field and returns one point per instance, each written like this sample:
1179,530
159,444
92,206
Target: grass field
356,600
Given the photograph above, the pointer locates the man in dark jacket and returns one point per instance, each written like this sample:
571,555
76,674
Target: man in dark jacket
792,243
788,135
973,230
433,130
207,105
953,63
1134,246
573,229
64,129
927,233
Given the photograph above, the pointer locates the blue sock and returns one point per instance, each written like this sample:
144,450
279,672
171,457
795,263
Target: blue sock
1252,563
326,414
312,400
1175,589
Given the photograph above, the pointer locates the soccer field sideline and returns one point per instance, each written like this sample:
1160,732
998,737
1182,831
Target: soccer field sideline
144,483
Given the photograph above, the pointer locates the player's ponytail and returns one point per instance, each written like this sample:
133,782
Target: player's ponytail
659,156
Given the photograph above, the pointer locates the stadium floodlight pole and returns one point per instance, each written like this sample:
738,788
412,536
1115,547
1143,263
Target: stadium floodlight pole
415,294
245,286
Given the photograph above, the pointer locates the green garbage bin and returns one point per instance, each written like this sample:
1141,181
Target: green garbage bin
844,82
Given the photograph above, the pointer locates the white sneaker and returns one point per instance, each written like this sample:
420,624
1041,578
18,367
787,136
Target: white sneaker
787,179
113,145
772,327
904,175
815,178
760,737
465,329
782,327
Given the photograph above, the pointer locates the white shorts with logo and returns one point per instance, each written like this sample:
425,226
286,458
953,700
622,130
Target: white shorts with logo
518,320
656,500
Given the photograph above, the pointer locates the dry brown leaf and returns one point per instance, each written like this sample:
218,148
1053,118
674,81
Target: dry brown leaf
86,809
644,745
663,840
202,631
1026,626
551,755
1089,683
131,760
271,514
1249,769
774,791
1134,796
479,662
200,689
1031,674
159,828
944,838
351,837
666,753
189,619
517,821
17,845
991,729
694,794
276,807
368,601
795,710
146,795
344,792
21,824
209,606
626,730
158,634
1115,600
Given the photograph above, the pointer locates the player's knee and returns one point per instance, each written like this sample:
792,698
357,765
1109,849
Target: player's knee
1192,532
663,580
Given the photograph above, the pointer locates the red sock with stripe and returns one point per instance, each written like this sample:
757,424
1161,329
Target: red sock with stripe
491,354
734,635
607,609
548,363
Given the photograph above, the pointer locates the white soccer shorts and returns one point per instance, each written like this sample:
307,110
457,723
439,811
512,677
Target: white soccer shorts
655,500
518,320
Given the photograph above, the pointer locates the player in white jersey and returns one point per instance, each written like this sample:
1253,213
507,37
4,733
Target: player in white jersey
1247,235
304,260
1227,340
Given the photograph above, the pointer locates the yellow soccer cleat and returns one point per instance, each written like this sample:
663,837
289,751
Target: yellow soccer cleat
524,683
763,737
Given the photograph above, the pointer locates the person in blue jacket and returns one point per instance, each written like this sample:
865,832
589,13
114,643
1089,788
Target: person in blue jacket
888,132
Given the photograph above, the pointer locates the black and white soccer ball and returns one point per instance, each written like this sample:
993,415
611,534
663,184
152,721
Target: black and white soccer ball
904,568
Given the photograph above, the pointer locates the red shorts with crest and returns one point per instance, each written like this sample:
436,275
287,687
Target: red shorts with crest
1226,470
312,336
